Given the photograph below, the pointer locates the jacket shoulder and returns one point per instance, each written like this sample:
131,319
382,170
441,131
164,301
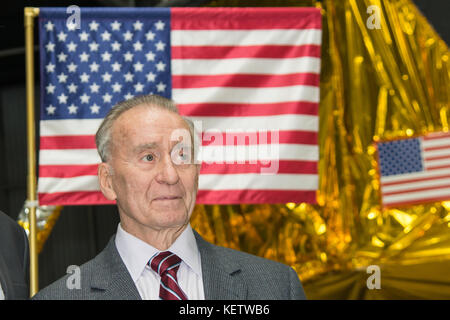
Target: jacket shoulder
76,284
265,278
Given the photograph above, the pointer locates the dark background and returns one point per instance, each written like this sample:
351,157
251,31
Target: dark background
81,231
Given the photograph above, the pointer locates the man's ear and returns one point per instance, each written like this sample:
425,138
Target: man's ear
105,181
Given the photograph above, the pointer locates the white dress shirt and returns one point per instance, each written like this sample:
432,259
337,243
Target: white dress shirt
2,295
136,253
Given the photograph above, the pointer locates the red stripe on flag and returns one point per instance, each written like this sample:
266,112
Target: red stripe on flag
436,148
245,18
255,196
284,166
421,200
242,138
245,80
438,167
68,142
436,136
73,198
67,171
229,52
247,110
437,158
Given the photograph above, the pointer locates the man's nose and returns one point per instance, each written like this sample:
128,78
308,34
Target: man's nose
167,172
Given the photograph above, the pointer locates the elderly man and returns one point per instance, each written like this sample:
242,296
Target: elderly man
148,169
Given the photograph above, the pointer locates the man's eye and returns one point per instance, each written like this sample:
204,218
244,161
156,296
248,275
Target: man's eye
149,157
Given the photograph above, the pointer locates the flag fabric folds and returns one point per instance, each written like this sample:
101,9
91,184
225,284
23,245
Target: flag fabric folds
415,170
247,77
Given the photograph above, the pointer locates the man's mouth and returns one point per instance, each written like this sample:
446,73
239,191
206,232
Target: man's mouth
167,198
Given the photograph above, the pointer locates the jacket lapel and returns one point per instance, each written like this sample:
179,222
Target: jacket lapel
222,278
111,278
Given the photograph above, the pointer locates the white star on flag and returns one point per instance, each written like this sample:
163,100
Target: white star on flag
84,36
50,67
106,36
159,25
160,87
84,77
137,25
50,88
115,25
94,66
95,108
93,46
72,67
62,36
94,87
72,88
84,98
51,109
84,57
62,57
93,26
49,26
71,46
116,66
50,47
72,109
128,36
62,98
106,77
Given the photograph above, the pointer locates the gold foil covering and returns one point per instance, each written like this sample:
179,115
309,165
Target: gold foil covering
376,84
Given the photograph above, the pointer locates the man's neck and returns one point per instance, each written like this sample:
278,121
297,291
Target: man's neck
160,239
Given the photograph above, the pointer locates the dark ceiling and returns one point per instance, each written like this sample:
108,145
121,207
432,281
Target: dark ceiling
12,68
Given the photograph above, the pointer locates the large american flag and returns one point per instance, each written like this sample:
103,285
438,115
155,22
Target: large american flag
248,76
415,170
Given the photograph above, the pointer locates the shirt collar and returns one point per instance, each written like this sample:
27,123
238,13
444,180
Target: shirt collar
136,253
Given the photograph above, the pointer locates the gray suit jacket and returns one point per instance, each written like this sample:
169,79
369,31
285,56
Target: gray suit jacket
14,259
227,274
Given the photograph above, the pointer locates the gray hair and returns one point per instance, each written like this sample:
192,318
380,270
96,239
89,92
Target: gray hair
103,135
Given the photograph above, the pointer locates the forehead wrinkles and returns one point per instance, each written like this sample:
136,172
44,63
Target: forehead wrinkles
147,121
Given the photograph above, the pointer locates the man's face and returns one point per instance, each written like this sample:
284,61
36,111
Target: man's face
153,185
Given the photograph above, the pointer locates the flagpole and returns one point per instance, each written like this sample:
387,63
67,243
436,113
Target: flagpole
29,15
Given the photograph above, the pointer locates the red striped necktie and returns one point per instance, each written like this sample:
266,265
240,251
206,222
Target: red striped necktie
166,264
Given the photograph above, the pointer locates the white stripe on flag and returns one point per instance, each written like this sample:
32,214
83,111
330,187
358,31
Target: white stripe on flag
75,127
68,156
236,154
207,153
266,123
258,182
435,153
206,182
245,37
419,184
245,66
81,183
433,163
246,95
411,196
278,122
436,143
414,175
